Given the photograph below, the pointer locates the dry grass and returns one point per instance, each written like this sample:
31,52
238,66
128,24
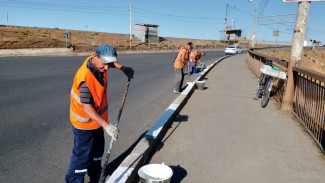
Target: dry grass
311,59
13,37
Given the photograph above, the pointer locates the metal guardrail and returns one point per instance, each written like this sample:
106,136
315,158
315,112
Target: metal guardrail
309,105
274,48
309,101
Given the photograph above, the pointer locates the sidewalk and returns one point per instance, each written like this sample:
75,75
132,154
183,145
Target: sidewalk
223,135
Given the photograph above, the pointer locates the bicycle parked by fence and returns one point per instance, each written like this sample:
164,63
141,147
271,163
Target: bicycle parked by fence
266,81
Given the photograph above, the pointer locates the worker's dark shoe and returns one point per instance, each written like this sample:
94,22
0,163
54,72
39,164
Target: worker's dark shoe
176,92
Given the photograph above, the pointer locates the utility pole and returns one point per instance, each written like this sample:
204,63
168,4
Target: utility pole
225,36
255,23
254,33
202,37
276,40
7,19
296,50
131,24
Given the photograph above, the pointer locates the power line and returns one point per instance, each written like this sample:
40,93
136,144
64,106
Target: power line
244,12
99,10
67,10
318,31
170,15
29,3
173,19
266,3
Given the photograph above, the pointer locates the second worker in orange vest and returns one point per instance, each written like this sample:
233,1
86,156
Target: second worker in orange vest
179,64
195,56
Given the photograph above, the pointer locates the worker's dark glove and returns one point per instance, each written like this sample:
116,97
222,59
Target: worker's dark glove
128,71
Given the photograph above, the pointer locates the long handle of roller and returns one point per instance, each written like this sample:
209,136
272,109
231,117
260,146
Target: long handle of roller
102,175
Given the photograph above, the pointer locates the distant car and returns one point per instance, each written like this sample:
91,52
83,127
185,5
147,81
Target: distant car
232,49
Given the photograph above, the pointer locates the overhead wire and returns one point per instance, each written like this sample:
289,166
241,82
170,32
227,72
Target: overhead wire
263,6
120,10
124,11
170,15
72,6
77,11
173,19
66,8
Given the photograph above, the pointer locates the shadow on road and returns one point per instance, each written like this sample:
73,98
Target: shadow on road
179,173
180,119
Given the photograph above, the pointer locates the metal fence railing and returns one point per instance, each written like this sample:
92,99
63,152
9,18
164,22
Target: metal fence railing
309,99
309,105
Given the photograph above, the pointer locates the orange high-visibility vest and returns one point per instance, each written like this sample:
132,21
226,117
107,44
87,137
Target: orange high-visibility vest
179,63
79,119
193,55
186,55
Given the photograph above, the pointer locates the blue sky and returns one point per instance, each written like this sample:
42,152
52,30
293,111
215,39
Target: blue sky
202,19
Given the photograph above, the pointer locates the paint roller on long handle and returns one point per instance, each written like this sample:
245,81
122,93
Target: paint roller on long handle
102,175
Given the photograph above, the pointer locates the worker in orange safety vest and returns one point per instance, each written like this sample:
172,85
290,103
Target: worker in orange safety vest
195,56
179,64
89,114
188,68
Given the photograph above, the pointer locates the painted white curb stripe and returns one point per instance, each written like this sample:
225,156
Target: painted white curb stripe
122,173
156,128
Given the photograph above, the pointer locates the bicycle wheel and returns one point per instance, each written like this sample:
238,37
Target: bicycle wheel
259,87
266,94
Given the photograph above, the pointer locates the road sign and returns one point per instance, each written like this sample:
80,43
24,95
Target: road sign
253,36
300,0
66,35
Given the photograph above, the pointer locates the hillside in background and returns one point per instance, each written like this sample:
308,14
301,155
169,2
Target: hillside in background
310,59
13,37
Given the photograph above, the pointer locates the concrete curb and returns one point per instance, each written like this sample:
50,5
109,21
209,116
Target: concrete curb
127,171
35,52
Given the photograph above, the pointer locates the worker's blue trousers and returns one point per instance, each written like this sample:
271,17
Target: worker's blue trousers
86,155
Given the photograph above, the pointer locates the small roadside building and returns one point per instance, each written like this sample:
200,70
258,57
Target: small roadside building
233,34
146,33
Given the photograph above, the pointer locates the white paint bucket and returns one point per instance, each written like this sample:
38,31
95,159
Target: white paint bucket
155,173
200,85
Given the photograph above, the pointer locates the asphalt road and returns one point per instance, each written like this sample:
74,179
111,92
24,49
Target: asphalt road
36,135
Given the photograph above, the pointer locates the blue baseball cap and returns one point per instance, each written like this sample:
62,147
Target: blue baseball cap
107,53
